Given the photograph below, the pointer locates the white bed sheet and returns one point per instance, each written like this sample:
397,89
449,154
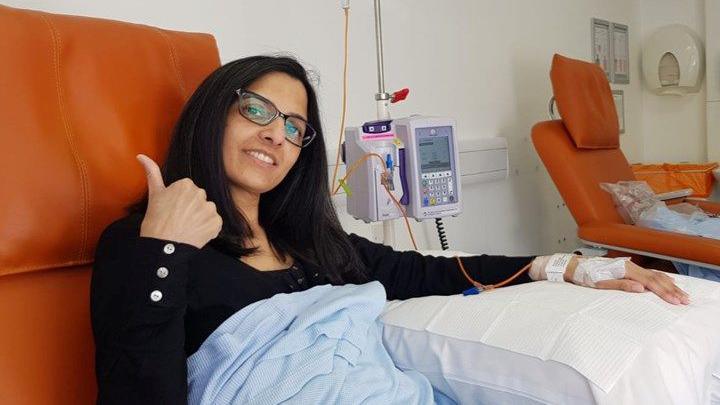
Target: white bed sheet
503,377
678,365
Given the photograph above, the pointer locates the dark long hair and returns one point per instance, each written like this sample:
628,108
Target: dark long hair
297,215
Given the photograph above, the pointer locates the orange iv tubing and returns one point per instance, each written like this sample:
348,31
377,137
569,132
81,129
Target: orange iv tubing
476,284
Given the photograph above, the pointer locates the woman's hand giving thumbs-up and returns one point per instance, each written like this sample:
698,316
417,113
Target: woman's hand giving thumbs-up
179,212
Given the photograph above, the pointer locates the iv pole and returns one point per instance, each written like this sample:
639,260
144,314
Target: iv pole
382,98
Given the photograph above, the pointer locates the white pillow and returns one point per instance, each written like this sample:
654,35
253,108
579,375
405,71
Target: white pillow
676,360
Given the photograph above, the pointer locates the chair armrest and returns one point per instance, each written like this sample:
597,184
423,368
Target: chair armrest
672,244
707,206
674,194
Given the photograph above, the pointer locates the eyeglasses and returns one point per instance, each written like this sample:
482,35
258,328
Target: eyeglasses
262,111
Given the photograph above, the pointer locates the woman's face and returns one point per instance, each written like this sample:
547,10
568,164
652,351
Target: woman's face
257,158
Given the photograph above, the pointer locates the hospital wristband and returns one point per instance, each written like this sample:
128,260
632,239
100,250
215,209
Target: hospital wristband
556,266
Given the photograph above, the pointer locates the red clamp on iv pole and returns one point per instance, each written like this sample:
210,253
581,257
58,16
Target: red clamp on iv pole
400,95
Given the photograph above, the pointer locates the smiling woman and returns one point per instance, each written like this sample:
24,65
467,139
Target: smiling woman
259,181
241,212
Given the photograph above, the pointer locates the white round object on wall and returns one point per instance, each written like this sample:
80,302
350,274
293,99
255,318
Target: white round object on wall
672,61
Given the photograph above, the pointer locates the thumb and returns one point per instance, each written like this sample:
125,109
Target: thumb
152,171
622,285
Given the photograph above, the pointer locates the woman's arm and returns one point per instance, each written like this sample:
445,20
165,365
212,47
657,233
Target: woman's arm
410,274
138,301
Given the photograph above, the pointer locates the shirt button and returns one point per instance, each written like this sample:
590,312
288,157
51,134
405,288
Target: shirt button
300,280
162,272
169,249
156,296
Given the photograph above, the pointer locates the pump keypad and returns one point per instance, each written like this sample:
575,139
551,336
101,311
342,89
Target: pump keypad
438,188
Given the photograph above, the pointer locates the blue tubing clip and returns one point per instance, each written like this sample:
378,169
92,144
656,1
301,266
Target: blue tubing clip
471,291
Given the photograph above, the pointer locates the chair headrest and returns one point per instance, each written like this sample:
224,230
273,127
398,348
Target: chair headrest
585,102
80,98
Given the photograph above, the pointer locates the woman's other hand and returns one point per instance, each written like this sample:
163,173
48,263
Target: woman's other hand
639,279
179,212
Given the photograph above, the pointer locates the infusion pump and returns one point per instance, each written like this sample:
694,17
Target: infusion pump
419,153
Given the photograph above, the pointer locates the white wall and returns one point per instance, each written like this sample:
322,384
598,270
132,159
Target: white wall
484,62
712,58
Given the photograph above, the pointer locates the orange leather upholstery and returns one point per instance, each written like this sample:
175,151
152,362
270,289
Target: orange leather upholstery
577,168
577,172
585,102
634,238
80,98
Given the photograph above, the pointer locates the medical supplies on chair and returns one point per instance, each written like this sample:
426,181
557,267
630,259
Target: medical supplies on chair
631,198
637,204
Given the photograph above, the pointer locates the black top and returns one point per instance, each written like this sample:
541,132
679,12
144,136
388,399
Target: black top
154,302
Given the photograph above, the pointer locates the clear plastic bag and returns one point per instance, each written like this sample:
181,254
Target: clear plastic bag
631,198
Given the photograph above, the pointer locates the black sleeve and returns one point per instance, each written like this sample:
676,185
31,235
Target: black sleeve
138,301
410,274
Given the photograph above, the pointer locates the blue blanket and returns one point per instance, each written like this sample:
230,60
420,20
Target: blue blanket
319,346
698,223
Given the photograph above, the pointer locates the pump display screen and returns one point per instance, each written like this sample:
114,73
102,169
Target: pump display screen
434,152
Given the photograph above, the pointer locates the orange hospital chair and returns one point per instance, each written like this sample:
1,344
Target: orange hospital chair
582,150
79,98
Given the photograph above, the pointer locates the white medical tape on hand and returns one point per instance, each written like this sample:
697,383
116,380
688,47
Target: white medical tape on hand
537,270
595,269
555,268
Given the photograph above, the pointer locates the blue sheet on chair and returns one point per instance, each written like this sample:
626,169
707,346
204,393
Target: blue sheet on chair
319,346
699,224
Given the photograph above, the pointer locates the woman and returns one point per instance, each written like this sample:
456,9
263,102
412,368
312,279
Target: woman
240,212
